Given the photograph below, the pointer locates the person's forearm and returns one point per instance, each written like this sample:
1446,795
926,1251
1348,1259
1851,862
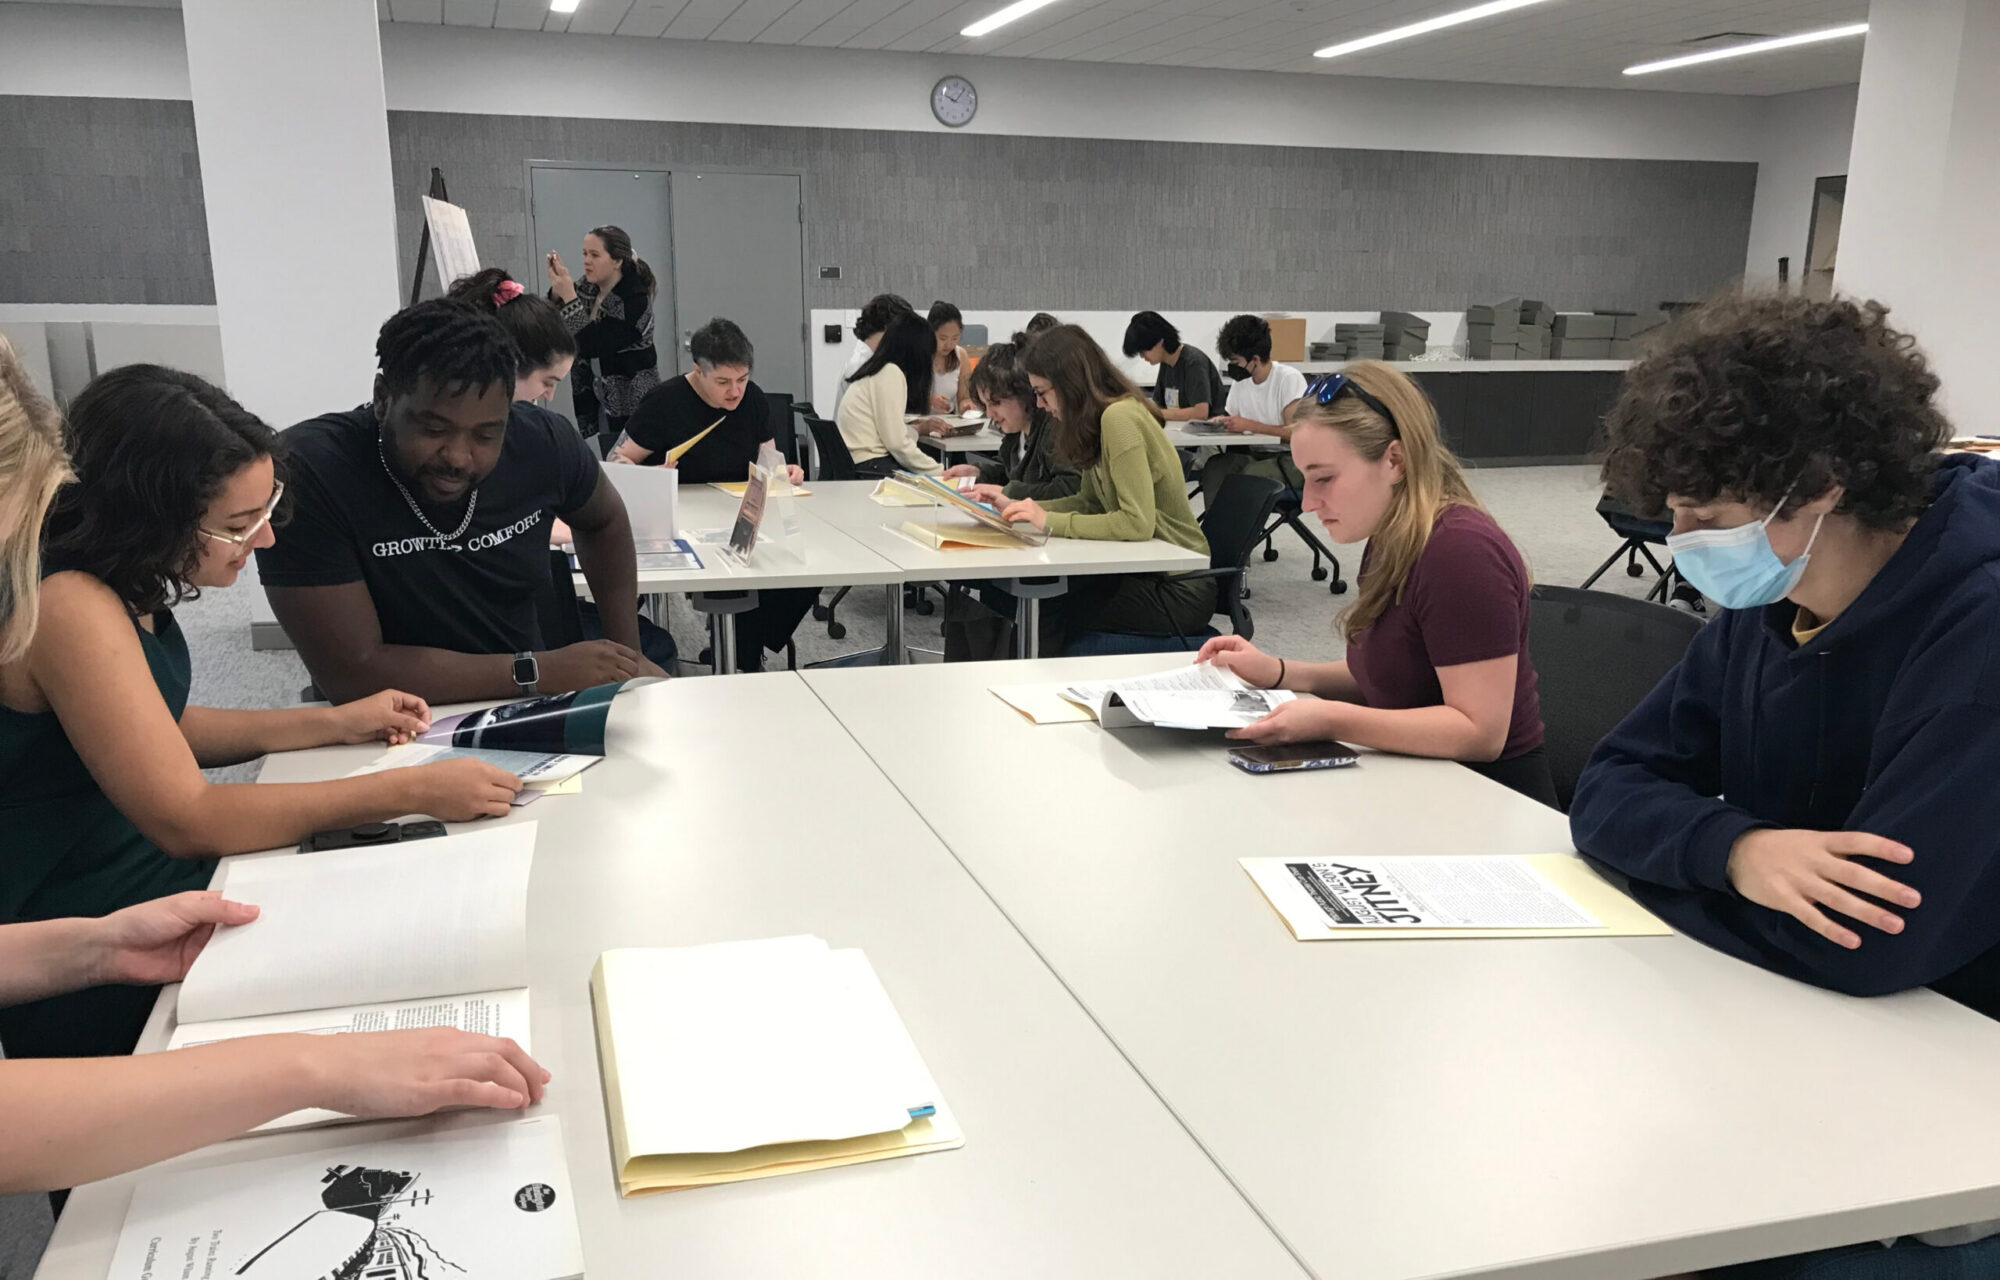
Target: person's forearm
1186,413
223,737
1269,429
611,567
219,819
44,958
72,1121
1441,731
438,676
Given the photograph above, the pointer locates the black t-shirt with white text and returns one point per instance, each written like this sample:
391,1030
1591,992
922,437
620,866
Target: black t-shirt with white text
674,413
475,593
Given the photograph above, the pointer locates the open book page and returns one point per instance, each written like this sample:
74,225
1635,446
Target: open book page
1196,677
1197,696
479,1200
952,537
890,492
366,926
719,1049
531,767
1538,896
1041,703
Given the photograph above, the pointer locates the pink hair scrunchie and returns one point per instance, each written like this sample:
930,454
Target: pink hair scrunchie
507,292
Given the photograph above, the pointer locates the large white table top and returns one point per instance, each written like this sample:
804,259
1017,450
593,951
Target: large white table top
1570,1108
1178,435
699,828
846,506
821,556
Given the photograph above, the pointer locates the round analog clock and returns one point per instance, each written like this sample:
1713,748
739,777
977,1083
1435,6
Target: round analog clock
953,101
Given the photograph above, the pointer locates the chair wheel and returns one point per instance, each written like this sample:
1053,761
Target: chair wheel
1270,554
1318,573
1634,571
836,631
821,613
1337,587
926,607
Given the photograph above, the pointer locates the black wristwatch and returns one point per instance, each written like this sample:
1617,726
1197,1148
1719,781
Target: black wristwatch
527,672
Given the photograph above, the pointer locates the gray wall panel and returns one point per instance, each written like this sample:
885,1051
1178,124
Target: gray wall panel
100,201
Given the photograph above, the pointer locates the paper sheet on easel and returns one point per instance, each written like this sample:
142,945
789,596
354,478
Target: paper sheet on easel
451,241
1042,703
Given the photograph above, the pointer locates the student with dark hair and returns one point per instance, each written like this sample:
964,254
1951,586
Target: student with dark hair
548,349
420,538
1257,405
1039,323
949,365
884,394
611,314
1027,465
1131,491
100,753
1810,790
1185,384
869,327
716,402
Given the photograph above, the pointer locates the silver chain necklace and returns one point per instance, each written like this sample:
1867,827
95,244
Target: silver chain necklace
470,507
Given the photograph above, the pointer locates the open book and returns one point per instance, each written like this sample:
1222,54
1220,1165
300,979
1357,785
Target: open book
485,1200
430,933
1198,696
944,495
748,1059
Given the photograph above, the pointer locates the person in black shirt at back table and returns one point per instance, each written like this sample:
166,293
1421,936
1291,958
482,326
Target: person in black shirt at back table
420,536
717,402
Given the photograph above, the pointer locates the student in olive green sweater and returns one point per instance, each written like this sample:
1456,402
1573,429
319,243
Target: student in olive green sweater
1132,491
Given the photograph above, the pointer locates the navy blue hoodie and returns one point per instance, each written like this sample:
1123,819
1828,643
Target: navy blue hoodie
1887,721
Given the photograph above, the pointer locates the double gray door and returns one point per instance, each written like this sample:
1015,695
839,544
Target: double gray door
720,244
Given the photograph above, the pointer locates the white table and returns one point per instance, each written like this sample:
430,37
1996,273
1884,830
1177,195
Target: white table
1178,435
1071,1168
845,505
1569,1109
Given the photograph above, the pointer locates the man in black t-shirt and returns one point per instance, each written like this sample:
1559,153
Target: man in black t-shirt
716,406
1186,385
418,542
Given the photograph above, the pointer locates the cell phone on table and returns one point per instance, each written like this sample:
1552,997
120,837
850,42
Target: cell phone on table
1293,757
370,833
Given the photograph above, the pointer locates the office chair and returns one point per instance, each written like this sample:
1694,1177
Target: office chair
1289,514
1642,533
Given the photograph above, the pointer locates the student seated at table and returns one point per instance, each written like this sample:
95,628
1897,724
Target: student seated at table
882,393
716,405
100,753
1811,789
1131,491
75,1120
1186,386
419,538
1027,466
1038,324
869,327
548,349
949,364
1261,393
1437,637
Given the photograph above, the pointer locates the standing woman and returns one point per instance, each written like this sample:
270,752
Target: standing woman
1132,491
949,366
548,349
1437,638
610,312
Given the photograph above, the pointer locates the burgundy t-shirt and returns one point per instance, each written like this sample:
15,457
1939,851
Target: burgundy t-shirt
1466,600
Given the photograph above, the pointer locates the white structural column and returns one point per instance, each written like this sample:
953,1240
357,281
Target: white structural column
293,132
1920,229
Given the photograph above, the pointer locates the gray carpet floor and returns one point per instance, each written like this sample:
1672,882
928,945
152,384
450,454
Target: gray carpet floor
1547,510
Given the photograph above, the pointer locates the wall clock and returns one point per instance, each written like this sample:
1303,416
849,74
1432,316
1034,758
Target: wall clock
953,101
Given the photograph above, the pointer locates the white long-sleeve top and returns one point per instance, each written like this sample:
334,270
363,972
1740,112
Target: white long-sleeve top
870,419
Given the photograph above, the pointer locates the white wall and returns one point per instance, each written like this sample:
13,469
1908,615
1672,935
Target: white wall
1805,137
91,51
300,200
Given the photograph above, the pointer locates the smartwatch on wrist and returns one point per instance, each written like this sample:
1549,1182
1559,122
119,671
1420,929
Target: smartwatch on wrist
527,672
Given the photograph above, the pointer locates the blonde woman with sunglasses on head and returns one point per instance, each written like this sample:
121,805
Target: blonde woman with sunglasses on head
1437,638
101,788
68,1121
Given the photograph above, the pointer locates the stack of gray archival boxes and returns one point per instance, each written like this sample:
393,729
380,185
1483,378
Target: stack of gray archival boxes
1584,335
1532,339
1516,329
1358,341
1404,336
1627,329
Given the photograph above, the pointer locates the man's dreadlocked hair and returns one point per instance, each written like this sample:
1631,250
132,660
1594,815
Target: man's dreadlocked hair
457,346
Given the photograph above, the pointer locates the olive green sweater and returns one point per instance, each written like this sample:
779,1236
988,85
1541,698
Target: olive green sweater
1135,492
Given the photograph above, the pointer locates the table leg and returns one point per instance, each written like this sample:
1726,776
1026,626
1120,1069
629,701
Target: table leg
722,642
1028,595
892,640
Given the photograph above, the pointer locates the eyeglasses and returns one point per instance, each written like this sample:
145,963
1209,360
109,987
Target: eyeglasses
1327,388
243,539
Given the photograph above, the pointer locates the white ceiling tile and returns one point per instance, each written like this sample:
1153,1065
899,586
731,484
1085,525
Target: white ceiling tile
598,17
700,18
428,12
469,13
752,18
520,15
804,18
646,19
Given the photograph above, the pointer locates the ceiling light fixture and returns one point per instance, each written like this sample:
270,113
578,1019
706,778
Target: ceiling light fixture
563,6
1019,9
1740,50
1428,25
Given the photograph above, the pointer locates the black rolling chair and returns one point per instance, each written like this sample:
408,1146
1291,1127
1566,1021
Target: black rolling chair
1596,656
1233,527
1289,514
784,431
803,413
835,463
1642,533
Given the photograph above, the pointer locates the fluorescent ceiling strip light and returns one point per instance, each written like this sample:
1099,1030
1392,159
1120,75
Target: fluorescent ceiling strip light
1756,46
563,6
1428,25
1019,9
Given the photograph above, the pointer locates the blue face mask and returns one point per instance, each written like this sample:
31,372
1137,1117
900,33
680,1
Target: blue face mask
1736,568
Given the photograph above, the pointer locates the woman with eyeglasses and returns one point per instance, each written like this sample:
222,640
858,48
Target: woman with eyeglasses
102,800
1437,637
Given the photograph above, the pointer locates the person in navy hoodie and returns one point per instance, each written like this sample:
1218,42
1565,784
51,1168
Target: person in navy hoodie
1811,789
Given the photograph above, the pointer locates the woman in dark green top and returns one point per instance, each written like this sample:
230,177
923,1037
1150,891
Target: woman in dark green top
102,799
1027,466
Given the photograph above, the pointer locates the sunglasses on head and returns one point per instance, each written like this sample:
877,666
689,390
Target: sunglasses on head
1327,388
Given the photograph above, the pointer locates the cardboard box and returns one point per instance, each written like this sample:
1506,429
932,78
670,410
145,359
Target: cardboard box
1537,313
1507,333
1631,326
1573,324
1288,338
1581,348
1491,351
1416,326
1408,349
1507,311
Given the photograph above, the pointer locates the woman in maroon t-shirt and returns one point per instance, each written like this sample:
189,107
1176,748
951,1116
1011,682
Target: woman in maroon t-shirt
1437,638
